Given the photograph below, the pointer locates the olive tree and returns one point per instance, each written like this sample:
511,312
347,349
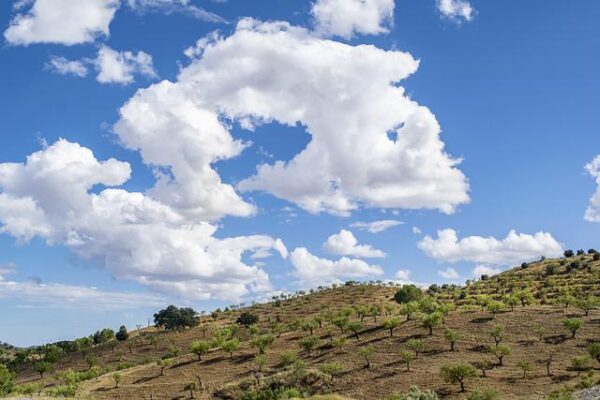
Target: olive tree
432,320
573,325
391,324
367,354
452,337
457,373
406,357
416,345
199,348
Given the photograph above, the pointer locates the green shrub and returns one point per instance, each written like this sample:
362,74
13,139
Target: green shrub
408,293
415,394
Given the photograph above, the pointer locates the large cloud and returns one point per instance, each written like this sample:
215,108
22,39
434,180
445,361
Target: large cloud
346,17
371,145
515,248
71,22
312,270
132,235
592,213
345,244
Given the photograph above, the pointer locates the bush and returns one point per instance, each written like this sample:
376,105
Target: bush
568,253
487,394
457,373
415,394
122,334
62,391
594,351
273,392
308,343
247,319
103,336
6,380
408,293
332,369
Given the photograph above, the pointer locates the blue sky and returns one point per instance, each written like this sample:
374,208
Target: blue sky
513,86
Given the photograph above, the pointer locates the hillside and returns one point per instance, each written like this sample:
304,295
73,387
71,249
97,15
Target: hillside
534,337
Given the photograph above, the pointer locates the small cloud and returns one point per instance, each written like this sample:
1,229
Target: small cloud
345,244
456,10
449,273
485,270
376,226
62,66
416,230
402,274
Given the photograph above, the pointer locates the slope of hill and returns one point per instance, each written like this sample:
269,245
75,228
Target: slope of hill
350,351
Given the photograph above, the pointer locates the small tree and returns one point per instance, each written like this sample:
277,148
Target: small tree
548,360
309,326
309,343
332,369
122,334
410,309
391,324
408,293
580,363
355,328
163,364
41,367
338,343
260,360
540,330
483,366
406,357
573,325
117,378
230,346
500,352
452,337
416,345
525,297
594,351
367,353
525,366
458,373
588,303
432,320
497,334
199,348
495,307
341,322
91,361
261,342
190,387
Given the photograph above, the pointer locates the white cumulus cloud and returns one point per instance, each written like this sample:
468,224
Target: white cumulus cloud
457,10
485,270
592,213
62,66
345,18
515,248
61,21
376,226
132,235
345,244
449,273
347,99
71,22
312,270
112,66
121,66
